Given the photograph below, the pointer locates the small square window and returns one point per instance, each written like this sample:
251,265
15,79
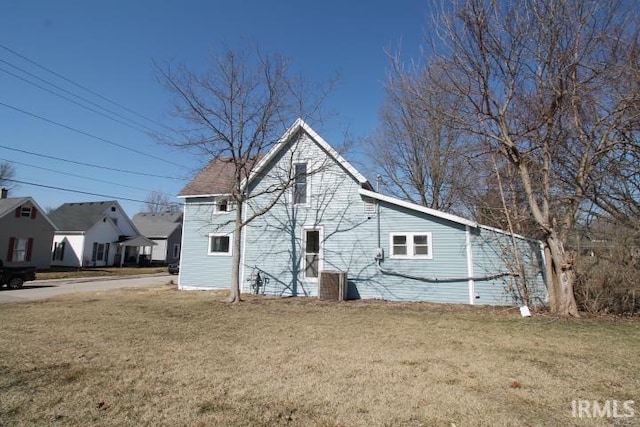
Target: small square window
421,244
399,245
25,212
220,244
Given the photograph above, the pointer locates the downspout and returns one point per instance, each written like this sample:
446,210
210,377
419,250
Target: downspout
378,179
472,291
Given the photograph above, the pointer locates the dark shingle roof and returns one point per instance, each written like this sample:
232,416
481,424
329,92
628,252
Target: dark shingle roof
214,178
79,216
10,204
161,224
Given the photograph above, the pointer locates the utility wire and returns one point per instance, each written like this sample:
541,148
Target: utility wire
82,87
77,96
91,165
75,191
75,175
81,132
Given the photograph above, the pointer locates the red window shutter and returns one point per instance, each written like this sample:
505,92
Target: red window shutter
29,248
34,211
12,241
18,211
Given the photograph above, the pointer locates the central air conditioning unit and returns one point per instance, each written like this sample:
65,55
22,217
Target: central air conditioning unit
333,285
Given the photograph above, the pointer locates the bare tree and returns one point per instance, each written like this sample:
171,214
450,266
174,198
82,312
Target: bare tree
7,173
539,81
237,111
420,155
157,202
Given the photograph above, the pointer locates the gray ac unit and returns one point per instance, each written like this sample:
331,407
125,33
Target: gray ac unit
333,285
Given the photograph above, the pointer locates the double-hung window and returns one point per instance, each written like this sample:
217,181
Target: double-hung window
411,245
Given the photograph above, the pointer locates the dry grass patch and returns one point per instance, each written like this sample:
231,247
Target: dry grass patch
164,357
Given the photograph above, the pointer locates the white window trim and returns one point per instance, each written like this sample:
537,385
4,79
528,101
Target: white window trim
216,205
229,253
307,202
303,270
410,245
26,211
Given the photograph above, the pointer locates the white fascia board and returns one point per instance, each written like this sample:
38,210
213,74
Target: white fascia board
418,208
192,196
297,125
517,236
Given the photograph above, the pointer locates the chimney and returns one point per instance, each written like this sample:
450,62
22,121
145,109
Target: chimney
4,193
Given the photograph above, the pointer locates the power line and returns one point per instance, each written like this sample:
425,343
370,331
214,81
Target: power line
75,175
76,191
77,96
82,87
81,132
91,165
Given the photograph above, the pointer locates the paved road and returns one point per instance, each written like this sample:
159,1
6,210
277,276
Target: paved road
42,289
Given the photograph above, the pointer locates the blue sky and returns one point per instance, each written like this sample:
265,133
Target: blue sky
109,47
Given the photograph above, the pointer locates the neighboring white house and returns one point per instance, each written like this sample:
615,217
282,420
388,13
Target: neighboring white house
95,234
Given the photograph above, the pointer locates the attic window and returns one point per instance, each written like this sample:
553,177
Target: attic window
113,208
25,212
223,205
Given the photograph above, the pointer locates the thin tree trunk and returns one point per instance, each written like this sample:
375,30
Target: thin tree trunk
234,290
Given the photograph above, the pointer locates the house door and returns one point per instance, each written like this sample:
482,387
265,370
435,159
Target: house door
312,262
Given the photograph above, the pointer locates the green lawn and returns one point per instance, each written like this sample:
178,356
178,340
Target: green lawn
166,357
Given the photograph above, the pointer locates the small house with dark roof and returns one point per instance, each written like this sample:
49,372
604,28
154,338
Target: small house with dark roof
165,230
95,234
26,233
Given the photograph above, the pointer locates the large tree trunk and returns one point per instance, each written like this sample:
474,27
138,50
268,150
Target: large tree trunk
234,291
560,277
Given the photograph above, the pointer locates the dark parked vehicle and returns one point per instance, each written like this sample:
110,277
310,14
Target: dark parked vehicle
174,268
14,277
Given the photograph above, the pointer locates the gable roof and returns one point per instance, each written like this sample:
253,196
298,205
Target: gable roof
297,126
81,216
161,224
418,208
217,177
10,204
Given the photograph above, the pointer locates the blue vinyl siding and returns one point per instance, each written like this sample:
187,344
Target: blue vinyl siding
197,268
273,243
494,252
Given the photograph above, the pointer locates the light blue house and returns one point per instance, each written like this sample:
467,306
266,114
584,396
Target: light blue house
328,218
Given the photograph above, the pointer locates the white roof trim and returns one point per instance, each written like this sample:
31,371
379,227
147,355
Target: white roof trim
418,208
188,196
297,125
517,236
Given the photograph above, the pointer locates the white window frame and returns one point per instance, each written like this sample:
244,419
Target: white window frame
307,179
20,249
228,253
216,204
303,271
411,245
25,211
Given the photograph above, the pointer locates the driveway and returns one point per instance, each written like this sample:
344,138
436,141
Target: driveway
42,289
